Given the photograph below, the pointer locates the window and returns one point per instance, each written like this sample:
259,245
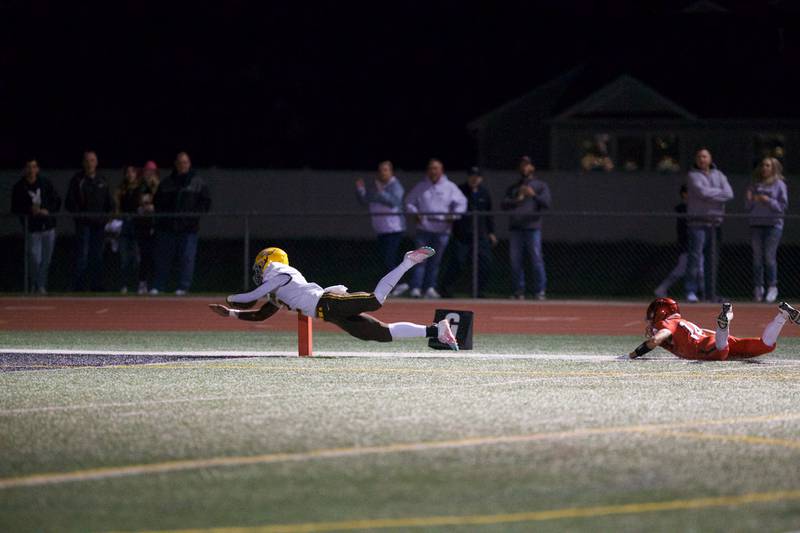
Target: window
769,145
630,153
596,154
665,154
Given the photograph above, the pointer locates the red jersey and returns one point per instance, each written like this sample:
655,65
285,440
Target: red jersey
688,341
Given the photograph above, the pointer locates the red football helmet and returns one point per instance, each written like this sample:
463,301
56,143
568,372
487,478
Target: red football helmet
661,308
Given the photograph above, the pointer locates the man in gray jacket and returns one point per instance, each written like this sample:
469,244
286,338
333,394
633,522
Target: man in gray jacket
434,194
708,191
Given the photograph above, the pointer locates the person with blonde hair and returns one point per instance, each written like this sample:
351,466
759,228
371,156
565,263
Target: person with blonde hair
766,199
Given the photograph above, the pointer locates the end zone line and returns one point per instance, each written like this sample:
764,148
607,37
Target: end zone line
507,518
93,474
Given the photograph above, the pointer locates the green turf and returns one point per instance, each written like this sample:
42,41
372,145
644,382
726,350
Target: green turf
82,418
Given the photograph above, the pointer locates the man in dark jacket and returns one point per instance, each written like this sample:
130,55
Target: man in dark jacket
33,199
182,192
526,199
89,193
478,199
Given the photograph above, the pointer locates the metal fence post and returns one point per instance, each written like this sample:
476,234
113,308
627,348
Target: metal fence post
475,254
26,266
714,262
246,262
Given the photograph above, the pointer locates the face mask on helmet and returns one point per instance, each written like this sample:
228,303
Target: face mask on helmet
264,258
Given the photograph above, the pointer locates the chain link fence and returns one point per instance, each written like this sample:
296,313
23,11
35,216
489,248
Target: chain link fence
595,255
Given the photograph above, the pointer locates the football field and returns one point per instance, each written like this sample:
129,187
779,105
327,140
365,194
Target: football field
176,430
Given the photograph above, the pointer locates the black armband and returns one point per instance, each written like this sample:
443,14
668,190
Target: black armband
642,349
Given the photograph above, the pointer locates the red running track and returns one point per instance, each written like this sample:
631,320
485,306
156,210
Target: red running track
491,316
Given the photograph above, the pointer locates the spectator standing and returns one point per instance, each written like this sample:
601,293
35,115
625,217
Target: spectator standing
89,193
143,225
34,198
709,190
766,199
127,198
478,199
434,194
526,199
385,203
683,245
182,192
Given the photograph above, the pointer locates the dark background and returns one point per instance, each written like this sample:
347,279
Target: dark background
343,85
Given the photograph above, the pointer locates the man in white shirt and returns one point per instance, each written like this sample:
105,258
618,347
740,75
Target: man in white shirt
284,286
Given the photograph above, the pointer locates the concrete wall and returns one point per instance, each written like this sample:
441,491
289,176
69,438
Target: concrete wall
307,193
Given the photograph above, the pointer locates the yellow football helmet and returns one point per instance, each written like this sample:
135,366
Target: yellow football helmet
264,258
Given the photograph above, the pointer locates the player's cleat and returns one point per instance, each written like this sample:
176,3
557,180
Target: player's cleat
415,293
790,312
420,254
725,315
446,334
692,297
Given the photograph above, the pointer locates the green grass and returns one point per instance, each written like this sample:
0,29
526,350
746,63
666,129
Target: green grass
731,429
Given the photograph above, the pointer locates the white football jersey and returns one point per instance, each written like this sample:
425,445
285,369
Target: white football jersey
284,285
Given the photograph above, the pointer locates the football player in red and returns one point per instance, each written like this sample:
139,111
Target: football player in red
666,328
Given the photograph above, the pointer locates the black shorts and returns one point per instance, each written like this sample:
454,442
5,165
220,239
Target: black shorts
348,311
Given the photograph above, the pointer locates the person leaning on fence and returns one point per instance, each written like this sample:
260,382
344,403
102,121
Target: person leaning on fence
683,245
89,193
34,198
127,198
526,199
182,192
143,225
766,199
438,195
708,191
385,203
478,199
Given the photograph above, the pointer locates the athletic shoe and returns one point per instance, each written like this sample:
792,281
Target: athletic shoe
180,292
432,294
153,292
415,293
420,254
691,297
400,290
541,296
123,290
789,312
725,316
518,296
772,295
446,334
758,294
142,288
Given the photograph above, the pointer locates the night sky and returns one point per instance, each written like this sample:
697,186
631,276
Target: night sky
344,85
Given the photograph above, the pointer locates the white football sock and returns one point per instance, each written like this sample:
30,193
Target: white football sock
387,282
773,329
722,338
406,330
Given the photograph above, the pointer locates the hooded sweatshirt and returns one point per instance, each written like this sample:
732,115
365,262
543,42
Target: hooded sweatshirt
444,196
707,196
768,213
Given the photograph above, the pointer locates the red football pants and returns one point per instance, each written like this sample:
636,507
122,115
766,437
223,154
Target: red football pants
740,349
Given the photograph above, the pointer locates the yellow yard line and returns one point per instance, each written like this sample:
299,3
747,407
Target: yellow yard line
507,518
749,439
90,474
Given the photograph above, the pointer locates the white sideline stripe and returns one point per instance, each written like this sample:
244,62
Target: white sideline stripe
438,354
537,318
